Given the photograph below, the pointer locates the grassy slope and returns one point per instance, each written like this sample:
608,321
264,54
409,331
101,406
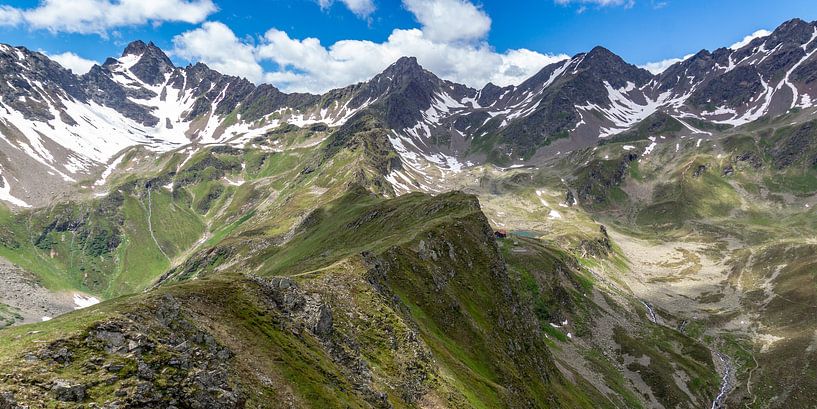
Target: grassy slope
462,306
754,185
107,246
451,304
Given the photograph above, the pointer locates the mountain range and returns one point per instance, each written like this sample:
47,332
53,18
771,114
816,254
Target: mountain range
596,236
65,128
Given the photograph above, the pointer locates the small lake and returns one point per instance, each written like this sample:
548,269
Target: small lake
527,233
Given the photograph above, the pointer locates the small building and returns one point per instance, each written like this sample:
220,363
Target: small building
501,234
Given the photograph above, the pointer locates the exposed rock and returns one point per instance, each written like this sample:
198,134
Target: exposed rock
570,200
154,358
750,158
303,309
7,401
594,186
66,392
598,247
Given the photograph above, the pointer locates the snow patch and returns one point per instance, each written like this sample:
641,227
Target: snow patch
648,150
83,301
109,170
5,194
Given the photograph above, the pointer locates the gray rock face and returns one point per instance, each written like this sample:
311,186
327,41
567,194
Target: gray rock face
734,88
744,79
152,359
64,391
21,291
567,105
101,89
21,69
7,401
153,65
303,309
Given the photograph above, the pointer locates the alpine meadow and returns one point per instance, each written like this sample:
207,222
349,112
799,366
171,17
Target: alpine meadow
216,223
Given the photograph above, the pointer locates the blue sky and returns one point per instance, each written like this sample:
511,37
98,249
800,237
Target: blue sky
468,41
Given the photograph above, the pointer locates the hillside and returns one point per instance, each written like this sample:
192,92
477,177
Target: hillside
597,236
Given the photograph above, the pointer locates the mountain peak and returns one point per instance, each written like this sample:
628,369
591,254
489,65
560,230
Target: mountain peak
405,65
600,56
795,30
140,48
599,51
152,62
137,47
406,68
794,23
607,65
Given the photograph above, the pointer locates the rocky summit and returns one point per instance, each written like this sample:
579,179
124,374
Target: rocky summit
597,236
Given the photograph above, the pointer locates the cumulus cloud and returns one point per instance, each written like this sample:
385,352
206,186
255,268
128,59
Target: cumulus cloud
748,39
601,3
99,16
10,16
306,65
658,67
449,20
73,62
361,8
216,45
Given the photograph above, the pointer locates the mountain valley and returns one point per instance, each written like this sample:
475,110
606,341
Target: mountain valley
596,236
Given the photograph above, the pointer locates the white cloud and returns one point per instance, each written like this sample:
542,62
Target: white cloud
601,3
10,16
99,16
748,39
217,46
450,20
362,8
73,62
307,65
658,67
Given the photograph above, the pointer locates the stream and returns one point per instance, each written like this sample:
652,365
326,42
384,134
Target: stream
723,392
650,312
718,403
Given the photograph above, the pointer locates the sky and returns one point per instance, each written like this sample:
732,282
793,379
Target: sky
317,45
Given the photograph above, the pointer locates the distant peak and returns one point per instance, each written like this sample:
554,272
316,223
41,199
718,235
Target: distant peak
703,54
407,62
137,47
151,63
793,23
140,48
795,30
406,67
600,56
599,51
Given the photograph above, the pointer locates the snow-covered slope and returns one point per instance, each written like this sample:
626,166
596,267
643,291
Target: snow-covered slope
58,129
770,75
